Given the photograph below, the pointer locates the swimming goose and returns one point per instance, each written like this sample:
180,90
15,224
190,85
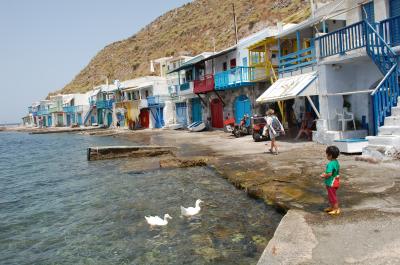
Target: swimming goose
190,211
157,221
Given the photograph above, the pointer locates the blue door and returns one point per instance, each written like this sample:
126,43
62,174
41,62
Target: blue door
196,110
158,115
68,120
100,116
394,25
181,116
79,119
49,121
368,12
109,119
92,120
242,107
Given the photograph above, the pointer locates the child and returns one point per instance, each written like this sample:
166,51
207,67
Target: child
331,172
275,129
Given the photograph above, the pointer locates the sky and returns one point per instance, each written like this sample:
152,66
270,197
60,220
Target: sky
45,43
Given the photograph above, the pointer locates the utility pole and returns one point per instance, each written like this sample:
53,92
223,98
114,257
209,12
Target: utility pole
234,23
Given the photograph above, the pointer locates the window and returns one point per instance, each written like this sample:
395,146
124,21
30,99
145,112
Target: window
232,63
224,66
244,61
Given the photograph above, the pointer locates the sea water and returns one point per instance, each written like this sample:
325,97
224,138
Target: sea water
58,208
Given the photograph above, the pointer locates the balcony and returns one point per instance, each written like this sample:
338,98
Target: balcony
43,112
297,60
155,101
204,85
234,78
186,88
342,40
73,109
389,29
56,109
69,109
104,104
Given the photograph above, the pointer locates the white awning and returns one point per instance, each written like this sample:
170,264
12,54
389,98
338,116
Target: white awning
290,87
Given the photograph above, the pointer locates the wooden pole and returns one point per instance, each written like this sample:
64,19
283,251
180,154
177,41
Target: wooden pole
234,23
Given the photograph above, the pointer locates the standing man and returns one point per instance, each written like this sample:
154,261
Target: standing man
275,129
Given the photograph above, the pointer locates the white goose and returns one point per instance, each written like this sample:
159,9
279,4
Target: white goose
190,211
157,221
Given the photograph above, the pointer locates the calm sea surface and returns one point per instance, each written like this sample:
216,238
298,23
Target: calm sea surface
58,208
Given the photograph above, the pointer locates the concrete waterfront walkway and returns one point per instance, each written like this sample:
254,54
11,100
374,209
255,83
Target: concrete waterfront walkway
356,237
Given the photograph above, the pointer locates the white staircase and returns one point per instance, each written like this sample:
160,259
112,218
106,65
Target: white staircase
387,142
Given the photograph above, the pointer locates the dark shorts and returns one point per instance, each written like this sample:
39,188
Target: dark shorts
332,195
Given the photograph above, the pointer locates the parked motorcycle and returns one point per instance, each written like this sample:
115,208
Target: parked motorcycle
258,123
242,129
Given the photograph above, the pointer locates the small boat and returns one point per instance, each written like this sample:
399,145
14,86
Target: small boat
175,126
197,126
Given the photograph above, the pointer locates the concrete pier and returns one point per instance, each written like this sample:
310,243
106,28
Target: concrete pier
110,152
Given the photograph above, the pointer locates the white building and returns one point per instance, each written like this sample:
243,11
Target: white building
140,103
347,64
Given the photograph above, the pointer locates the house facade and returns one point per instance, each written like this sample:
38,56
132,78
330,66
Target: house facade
340,65
140,103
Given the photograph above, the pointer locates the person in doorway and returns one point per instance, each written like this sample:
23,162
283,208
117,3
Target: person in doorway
306,127
331,179
275,129
118,124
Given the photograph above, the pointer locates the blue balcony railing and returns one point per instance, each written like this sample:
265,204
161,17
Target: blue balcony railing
342,40
69,109
104,104
184,86
389,29
297,60
234,78
154,100
43,112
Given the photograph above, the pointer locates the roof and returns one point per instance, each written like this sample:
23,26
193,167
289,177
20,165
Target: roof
290,87
330,9
220,53
141,82
193,61
272,36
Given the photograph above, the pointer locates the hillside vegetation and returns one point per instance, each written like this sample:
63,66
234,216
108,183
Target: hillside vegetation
188,30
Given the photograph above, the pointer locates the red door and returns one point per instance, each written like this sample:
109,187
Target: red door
217,120
144,118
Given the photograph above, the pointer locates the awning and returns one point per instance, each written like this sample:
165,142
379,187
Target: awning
290,87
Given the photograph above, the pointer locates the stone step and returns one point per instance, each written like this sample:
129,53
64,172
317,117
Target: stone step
387,140
392,121
396,111
379,152
389,130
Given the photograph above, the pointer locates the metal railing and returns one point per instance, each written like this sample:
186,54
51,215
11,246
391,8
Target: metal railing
295,61
342,40
204,84
385,95
104,104
43,112
389,29
184,86
235,77
154,100
56,109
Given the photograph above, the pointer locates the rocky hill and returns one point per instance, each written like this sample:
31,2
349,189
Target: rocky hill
187,30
